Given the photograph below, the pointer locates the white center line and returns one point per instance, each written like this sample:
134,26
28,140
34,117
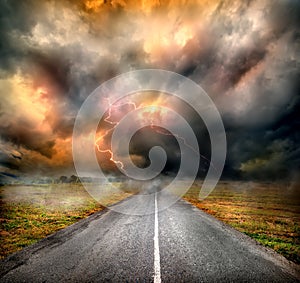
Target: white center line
157,278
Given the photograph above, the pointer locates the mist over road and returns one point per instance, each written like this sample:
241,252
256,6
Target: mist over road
178,244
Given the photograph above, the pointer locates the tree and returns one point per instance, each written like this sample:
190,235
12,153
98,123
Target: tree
63,179
74,179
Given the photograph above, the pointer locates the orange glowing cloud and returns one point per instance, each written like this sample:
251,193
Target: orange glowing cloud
243,54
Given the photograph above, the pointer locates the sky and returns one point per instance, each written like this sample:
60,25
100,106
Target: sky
244,54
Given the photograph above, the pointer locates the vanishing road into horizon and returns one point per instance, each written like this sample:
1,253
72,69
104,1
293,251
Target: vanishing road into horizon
178,244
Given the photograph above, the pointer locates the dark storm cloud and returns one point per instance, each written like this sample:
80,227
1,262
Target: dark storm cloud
53,67
243,53
64,70
236,58
17,18
240,65
145,139
266,152
262,135
226,59
21,135
9,159
284,15
9,163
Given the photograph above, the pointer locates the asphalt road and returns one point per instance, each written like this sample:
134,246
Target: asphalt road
179,244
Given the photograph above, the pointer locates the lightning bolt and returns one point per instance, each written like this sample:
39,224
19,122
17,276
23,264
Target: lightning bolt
152,126
107,132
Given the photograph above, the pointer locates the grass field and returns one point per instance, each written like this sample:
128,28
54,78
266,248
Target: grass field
30,213
267,212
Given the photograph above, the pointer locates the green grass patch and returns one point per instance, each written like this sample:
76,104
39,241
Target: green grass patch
25,224
267,212
30,213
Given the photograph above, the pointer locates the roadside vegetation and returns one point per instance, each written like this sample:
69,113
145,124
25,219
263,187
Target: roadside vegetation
267,212
30,213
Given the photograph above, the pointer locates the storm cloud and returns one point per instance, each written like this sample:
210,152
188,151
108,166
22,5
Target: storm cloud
244,54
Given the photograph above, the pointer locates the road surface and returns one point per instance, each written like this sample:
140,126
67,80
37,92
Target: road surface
179,244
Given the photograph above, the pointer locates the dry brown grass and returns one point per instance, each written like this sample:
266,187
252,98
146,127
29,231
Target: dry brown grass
267,212
30,213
